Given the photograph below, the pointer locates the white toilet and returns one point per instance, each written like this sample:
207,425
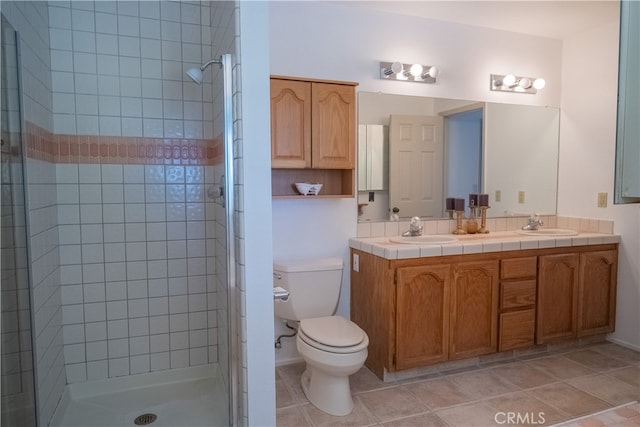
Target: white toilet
332,346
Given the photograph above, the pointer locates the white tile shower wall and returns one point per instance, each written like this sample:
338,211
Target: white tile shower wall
135,245
118,68
31,19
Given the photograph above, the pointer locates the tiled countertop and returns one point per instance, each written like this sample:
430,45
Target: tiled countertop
477,243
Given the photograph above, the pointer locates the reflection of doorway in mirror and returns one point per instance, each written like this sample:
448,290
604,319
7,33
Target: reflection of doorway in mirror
416,156
463,148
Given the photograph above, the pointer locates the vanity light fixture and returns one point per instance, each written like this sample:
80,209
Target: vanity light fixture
408,72
512,83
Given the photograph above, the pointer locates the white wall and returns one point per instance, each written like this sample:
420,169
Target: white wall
335,41
587,158
258,383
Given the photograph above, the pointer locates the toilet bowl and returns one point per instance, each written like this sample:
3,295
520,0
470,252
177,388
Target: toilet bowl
333,348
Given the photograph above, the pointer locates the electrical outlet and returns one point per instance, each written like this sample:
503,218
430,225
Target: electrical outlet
356,262
498,195
520,196
602,200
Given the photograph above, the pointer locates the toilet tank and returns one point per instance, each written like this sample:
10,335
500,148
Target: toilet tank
313,285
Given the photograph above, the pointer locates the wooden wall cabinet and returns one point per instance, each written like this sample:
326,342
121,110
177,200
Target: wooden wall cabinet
313,135
422,311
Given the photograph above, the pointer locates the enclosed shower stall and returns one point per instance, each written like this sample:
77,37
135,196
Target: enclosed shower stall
118,268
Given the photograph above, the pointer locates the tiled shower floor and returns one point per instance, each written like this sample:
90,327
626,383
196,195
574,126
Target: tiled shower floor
200,402
550,388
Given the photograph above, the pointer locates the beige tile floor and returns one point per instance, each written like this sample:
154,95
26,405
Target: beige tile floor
551,388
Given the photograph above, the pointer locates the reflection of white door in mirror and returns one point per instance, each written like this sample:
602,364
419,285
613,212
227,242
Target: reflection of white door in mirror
415,162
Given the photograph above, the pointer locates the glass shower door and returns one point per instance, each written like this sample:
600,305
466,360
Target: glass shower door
17,375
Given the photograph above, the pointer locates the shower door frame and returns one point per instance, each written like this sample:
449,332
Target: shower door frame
229,191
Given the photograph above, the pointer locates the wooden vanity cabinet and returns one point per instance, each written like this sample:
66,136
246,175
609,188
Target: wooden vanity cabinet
422,311
313,135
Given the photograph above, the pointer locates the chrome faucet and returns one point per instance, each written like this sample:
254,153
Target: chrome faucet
534,222
415,227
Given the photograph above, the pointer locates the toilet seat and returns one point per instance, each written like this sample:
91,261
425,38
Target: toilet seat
333,334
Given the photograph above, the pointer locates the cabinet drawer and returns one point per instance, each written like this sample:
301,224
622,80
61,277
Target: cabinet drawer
517,329
518,268
517,294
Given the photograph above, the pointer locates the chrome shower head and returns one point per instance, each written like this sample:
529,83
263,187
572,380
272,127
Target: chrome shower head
195,74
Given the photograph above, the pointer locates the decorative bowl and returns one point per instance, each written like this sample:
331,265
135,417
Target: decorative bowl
307,189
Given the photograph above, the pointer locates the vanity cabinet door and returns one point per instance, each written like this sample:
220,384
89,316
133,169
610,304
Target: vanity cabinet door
474,309
557,306
597,292
422,315
290,124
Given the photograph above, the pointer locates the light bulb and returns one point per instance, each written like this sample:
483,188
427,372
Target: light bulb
433,72
509,80
539,83
524,83
416,70
396,67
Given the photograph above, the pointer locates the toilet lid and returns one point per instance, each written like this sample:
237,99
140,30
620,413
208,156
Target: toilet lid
333,331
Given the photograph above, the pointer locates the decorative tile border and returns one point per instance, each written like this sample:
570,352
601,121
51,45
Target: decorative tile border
44,145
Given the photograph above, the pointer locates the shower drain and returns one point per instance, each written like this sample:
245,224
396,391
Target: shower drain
145,419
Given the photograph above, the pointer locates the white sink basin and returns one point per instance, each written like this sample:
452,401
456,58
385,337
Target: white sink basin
549,232
427,239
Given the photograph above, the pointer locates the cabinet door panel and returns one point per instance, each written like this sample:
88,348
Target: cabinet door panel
334,131
557,297
597,294
474,316
422,315
290,124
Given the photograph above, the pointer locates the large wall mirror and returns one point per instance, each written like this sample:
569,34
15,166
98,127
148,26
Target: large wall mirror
414,152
